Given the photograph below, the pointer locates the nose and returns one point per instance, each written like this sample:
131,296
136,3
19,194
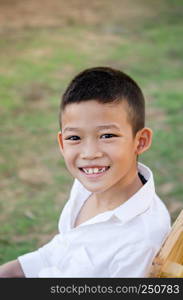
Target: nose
90,151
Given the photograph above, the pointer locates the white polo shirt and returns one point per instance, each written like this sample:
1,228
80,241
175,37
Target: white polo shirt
117,243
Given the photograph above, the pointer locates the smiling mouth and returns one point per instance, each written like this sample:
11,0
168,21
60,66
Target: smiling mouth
95,170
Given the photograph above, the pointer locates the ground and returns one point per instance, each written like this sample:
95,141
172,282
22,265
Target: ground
25,13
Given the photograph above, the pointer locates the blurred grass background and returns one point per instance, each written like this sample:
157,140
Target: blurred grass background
43,44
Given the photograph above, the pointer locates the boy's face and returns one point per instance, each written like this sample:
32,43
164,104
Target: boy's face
98,144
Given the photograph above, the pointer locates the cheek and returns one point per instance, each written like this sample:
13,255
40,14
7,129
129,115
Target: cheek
69,154
69,162
121,154
116,150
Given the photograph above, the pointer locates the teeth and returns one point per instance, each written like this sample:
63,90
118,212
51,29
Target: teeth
94,170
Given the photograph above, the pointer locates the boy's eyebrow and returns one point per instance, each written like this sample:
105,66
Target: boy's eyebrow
111,126
71,129
100,127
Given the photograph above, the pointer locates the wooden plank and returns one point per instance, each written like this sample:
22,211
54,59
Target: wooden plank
169,260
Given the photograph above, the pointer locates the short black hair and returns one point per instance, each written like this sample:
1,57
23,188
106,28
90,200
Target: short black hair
107,85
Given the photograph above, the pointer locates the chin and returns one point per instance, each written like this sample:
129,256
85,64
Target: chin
94,189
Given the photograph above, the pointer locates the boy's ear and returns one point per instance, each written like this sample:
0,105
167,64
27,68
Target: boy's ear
144,140
60,141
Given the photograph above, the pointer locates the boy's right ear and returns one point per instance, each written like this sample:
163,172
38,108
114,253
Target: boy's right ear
60,141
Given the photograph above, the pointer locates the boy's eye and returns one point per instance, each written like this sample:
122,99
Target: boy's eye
108,135
73,138
76,138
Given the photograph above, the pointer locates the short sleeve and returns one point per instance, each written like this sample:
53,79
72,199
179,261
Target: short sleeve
32,263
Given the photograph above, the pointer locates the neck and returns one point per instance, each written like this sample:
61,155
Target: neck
118,194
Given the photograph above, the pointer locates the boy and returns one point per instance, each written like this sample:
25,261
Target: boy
114,223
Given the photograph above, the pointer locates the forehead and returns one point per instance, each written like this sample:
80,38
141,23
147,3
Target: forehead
90,113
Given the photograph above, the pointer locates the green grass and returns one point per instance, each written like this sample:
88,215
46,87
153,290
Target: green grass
35,67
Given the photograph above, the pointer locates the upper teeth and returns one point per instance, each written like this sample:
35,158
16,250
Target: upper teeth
94,170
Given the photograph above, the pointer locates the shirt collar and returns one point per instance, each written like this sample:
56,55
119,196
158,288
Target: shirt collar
140,201
134,206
